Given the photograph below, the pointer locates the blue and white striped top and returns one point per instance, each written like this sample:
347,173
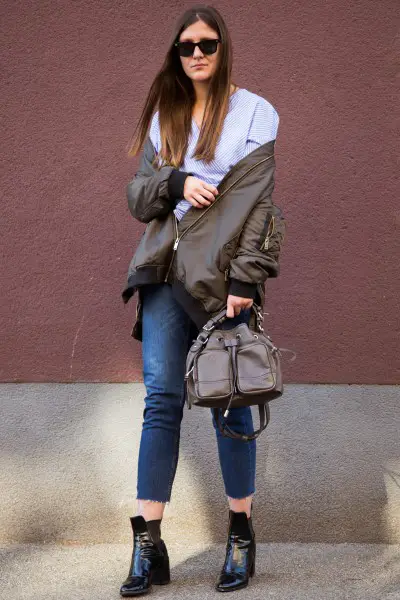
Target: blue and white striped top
250,122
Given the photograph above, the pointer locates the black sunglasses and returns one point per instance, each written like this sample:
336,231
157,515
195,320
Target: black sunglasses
206,47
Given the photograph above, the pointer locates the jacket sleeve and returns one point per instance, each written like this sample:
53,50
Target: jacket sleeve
153,193
258,250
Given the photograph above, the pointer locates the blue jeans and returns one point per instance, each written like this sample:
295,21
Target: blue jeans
168,333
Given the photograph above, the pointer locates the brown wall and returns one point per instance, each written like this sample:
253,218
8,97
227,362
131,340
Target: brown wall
74,79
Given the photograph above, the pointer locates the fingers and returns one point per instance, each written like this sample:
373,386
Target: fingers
211,188
194,203
206,193
230,313
199,193
235,304
232,310
200,199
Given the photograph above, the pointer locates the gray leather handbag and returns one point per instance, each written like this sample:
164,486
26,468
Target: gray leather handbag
233,367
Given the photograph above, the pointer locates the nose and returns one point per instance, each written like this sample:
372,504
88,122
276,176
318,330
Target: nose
197,52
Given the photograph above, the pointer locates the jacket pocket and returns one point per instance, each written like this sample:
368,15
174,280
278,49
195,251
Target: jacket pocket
273,233
227,252
267,232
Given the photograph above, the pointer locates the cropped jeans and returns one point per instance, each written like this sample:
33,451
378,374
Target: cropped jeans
168,333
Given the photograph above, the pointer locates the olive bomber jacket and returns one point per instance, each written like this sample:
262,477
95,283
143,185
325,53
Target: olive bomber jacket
229,247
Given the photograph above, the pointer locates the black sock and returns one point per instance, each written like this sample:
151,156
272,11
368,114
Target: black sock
154,528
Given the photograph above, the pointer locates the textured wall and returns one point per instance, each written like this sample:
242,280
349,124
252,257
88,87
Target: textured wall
328,466
75,76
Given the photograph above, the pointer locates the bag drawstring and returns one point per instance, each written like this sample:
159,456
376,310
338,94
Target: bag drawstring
232,349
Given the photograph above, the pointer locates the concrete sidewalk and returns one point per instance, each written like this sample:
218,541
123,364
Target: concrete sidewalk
285,571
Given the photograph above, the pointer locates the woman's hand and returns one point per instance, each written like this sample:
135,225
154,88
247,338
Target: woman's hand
199,193
235,305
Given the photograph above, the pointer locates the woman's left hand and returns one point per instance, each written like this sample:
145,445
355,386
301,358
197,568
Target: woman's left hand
235,305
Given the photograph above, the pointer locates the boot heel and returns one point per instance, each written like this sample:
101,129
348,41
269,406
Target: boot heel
161,575
252,568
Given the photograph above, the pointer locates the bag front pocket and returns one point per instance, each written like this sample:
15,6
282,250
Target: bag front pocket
212,374
256,369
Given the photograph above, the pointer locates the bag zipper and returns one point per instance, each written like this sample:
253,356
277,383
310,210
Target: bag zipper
178,238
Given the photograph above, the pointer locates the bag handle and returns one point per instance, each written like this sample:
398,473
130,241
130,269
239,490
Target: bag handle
264,413
221,316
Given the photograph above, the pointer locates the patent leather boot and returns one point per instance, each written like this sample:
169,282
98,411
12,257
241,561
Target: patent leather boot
149,564
240,556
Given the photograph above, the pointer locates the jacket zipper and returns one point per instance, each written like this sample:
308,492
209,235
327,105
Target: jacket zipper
265,243
178,238
176,242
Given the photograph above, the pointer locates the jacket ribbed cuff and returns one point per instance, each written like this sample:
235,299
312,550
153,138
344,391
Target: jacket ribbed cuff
242,289
176,183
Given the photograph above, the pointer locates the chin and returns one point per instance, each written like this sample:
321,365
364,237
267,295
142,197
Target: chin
200,76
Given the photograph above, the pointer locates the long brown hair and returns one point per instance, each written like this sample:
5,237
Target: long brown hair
172,93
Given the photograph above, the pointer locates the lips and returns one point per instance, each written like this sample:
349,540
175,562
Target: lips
201,65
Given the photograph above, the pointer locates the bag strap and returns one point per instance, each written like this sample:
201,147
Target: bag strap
264,413
221,316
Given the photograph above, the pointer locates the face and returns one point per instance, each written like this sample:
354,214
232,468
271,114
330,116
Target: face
199,67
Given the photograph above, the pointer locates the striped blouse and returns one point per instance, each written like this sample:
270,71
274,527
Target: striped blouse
251,121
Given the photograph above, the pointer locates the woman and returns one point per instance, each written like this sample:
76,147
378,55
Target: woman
213,237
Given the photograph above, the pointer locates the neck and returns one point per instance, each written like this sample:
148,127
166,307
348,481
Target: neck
201,91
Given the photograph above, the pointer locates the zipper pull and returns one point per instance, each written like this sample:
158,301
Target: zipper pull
176,243
265,245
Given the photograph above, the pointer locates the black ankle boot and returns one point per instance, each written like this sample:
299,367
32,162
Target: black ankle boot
150,562
240,554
